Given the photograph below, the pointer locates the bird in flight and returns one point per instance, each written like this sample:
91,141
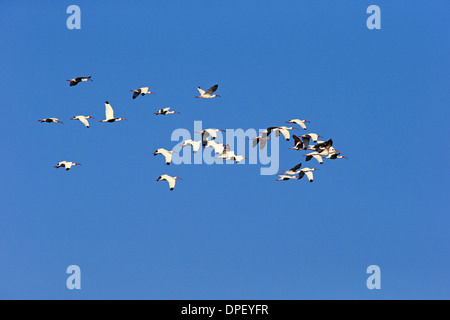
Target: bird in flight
75,81
166,153
165,111
169,179
208,94
109,114
301,123
83,119
50,120
67,165
141,91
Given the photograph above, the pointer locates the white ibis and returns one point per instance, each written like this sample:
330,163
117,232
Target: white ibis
194,144
169,179
279,130
218,147
165,111
261,140
75,81
50,120
206,133
166,153
294,170
314,155
301,123
208,94
67,165
286,177
141,91
83,119
308,172
109,114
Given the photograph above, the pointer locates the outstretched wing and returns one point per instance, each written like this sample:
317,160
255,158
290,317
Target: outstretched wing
202,92
296,167
109,112
136,93
84,121
212,89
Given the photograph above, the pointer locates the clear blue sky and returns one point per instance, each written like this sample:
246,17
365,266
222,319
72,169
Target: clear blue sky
225,232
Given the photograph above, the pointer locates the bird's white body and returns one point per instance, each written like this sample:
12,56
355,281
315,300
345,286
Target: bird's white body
301,123
194,144
171,180
141,91
208,94
166,153
165,111
66,164
83,119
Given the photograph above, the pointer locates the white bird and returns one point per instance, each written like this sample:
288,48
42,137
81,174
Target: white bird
141,91
301,123
165,111
50,120
218,147
166,153
314,155
67,165
208,94
308,172
294,170
75,81
279,130
169,179
206,133
194,144
83,119
261,140
109,114
286,177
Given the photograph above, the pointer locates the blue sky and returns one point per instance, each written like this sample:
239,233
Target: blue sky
225,232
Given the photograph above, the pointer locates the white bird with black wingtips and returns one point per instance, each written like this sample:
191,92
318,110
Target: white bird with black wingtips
308,172
194,144
208,94
141,91
165,111
301,123
109,114
67,165
83,120
50,120
171,180
166,153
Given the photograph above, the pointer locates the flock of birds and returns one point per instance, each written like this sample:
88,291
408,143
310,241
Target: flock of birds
319,151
